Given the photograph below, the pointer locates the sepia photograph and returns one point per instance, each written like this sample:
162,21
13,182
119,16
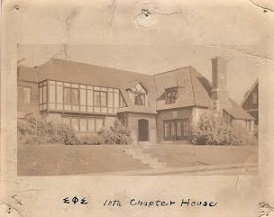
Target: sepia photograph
137,108
78,113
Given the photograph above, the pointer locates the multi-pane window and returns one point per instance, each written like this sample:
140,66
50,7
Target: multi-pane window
138,95
171,96
100,98
24,95
84,125
185,127
43,94
139,99
71,96
177,129
64,96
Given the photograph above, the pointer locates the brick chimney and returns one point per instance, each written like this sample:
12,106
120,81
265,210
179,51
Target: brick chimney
219,92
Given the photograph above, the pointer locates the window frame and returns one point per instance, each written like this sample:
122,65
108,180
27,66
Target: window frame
71,96
171,96
138,94
79,118
170,129
100,99
110,98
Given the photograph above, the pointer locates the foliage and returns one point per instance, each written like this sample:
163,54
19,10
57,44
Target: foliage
35,129
117,134
213,130
93,139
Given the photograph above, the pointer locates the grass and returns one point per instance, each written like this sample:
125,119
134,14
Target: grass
46,160
56,159
179,155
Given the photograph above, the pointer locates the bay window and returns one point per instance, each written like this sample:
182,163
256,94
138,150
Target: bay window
69,97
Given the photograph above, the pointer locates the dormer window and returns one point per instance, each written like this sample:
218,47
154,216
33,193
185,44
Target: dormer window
137,94
171,95
139,98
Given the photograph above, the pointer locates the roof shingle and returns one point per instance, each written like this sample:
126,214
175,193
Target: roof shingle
193,88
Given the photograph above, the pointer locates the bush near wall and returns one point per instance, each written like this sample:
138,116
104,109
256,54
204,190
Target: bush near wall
213,130
117,134
36,130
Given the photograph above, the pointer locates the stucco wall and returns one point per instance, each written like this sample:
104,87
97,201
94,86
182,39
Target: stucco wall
196,113
109,121
133,125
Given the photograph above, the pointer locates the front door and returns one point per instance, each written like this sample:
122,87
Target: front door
143,130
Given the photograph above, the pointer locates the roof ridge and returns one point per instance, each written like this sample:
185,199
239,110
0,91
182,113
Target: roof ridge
172,70
191,80
94,65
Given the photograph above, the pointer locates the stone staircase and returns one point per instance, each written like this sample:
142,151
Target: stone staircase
138,154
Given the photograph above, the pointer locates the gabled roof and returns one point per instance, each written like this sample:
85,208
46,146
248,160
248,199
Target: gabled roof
70,71
193,88
237,112
247,94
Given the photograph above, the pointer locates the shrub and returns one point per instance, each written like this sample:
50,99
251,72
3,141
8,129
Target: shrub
93,139
213,130
118,134
36,130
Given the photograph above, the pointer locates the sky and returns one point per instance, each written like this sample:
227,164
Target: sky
175,34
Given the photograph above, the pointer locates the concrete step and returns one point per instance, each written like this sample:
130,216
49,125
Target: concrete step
138,154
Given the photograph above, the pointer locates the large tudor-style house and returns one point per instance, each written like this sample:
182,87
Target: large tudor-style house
251,101
157,108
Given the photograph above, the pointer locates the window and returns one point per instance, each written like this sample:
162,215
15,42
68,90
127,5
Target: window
63,96
139,99
137,94
100,98
43,95
71,96
104,99
255,98
84,125
171,96
24,95
185,127
177,129
166,130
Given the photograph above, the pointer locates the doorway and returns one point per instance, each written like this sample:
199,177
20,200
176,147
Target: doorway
143,130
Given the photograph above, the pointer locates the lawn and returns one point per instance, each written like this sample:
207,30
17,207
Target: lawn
91,159
180,155
49,160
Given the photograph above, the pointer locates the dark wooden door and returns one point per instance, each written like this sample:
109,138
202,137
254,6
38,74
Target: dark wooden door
143,130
